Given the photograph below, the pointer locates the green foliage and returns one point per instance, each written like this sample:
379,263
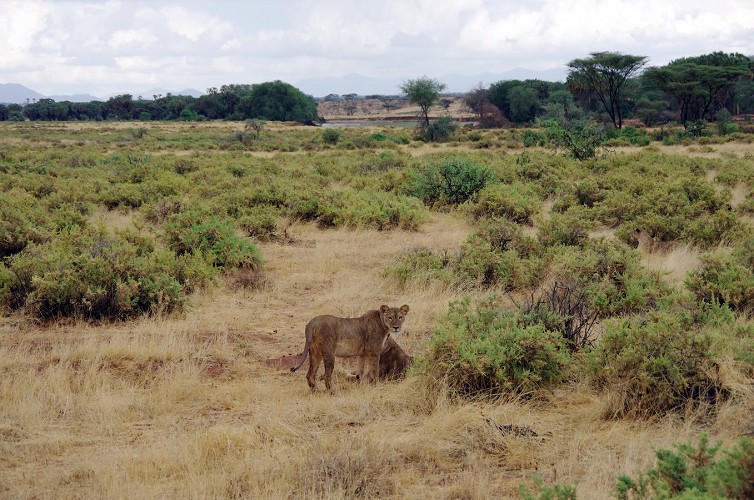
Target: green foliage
581,140
452,181
517,202
259,223
438,131
279,101
420,267
484,350
570,228
22,221
424,92
662,363
726,277
695,472
555,491
606,74
330,136
91,274
214,238
698,82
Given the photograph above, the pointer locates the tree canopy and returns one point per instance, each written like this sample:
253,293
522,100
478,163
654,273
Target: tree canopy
279,101
424,92
699,83
606,74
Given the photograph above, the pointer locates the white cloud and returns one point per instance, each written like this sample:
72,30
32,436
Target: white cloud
132,38
98,46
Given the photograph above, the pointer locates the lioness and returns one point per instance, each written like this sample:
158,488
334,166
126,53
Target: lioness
365,337
647,243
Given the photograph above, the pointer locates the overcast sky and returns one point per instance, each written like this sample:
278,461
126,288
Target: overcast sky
103,47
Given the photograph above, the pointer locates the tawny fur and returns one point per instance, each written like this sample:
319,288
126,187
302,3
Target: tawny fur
366,337
649,244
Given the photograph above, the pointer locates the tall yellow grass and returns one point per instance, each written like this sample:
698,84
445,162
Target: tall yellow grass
186,407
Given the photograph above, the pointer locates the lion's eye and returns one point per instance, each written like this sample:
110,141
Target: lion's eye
390,318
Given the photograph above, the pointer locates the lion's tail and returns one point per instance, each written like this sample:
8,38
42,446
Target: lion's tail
309,329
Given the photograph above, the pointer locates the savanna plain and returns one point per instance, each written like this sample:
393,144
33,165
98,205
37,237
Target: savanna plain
157,277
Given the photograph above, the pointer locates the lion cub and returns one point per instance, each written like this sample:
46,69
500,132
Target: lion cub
328,336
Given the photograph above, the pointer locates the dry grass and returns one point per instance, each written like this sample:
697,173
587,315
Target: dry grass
189,407
673,264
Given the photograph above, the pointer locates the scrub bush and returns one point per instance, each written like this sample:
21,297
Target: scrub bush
452,181
665,362
94,275
486,351
695,472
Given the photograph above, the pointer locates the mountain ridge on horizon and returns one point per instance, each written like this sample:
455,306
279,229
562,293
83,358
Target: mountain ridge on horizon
14,93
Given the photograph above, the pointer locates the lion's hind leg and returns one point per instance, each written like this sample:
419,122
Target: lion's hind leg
329,365
315,358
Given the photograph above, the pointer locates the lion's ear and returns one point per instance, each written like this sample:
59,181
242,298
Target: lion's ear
404,308
384,308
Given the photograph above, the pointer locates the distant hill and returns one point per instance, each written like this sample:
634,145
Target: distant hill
14,93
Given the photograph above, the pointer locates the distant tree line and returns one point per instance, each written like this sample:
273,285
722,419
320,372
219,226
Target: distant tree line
611,87
607,87
277,101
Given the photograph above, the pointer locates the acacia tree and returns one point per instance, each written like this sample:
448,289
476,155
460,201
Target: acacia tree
424,92
698,83
605,74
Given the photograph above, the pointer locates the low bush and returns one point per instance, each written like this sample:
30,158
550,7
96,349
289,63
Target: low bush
259,222
438,131
377,209
695,472
215,239
486,351
419,266
452,181
91,274
22,221
726,277
570,228
330,136
517,202
666,362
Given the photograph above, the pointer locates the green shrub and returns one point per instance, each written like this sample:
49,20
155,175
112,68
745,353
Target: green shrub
695,472
661,363
213,238
8,282
517,202
420,266
611,274
504,235
438,131
377,209
453,181
259,223
91,274
330,136
726,278
22,221
485,350
555,491
570,228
